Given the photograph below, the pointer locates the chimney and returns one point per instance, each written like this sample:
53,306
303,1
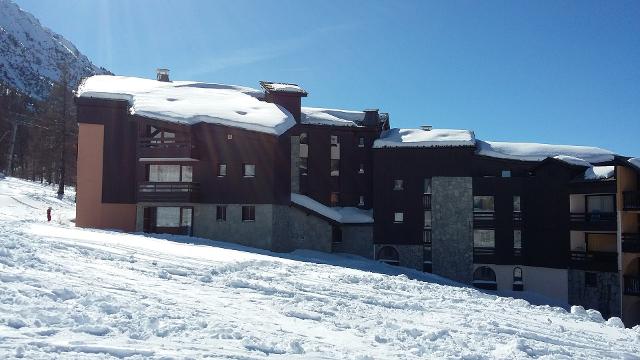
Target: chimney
371,118
289,96
426,127
162,75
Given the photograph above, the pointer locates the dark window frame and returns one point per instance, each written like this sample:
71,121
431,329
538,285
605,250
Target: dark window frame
248,213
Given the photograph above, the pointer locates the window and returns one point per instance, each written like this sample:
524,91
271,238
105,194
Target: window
169,173
361,201
483,238
335,167
516,203
361,171
398,217
221,213
229,136
426,237
160,136
427,186
361,141
427,218
187,217
249,170
248,213
517,239
334,198
398,184
590,279
506,173
168,217
517,279
483,203
222,170
304,154
484,278
335,155
389,255
600,203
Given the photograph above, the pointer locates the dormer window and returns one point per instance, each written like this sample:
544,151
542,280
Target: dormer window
398,184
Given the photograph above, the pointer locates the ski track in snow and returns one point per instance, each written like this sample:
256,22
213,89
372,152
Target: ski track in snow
78,293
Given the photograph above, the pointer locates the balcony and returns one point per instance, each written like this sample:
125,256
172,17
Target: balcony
593,221
632,285
426,201
594,260
483,219
631,201
151,148
168,192
517,219
631,242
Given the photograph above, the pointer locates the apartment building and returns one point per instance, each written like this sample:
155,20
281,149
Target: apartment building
257,168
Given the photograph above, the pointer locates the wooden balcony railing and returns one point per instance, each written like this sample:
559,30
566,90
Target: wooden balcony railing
594,260
631,200
168,192
150,147
631,242
517,218
483,218
632,285
484,251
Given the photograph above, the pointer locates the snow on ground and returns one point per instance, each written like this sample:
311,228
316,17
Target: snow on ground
424,138
79,293
191,102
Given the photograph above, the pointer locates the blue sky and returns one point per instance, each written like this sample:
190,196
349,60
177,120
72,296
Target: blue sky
539,71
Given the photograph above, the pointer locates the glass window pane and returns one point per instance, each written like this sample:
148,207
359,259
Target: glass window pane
187,216
517,239
483,203
187,173
168,216
516,203
164,173
222,169
335,168
506,173
600,204
304,150
427,218
484,238
398,184
398,217
249,170
427,186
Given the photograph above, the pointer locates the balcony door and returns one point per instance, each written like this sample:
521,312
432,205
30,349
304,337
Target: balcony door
600,204
168,220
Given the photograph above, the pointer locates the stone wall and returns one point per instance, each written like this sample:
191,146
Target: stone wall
357,240
452,221
604,297
250,233
410,256
294,229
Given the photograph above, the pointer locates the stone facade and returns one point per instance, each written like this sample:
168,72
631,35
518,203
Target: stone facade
250,233
357,240
605,296
410,256
294,229
452,233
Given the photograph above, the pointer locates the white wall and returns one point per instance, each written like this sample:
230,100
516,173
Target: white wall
552,283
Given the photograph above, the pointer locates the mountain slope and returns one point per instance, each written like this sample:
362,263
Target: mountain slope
30,54
81,293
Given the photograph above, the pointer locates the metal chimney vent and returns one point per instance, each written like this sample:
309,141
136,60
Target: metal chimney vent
162,75
426,127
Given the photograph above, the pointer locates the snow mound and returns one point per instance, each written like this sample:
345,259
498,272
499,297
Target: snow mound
424,138
539,152
254,304
344,215
333,117
191,102
572,160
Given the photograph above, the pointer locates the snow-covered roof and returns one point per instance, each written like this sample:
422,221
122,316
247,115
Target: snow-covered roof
635,162
334,117
422,138
572,160
344,215
599,172
282,87
191,102
539,152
